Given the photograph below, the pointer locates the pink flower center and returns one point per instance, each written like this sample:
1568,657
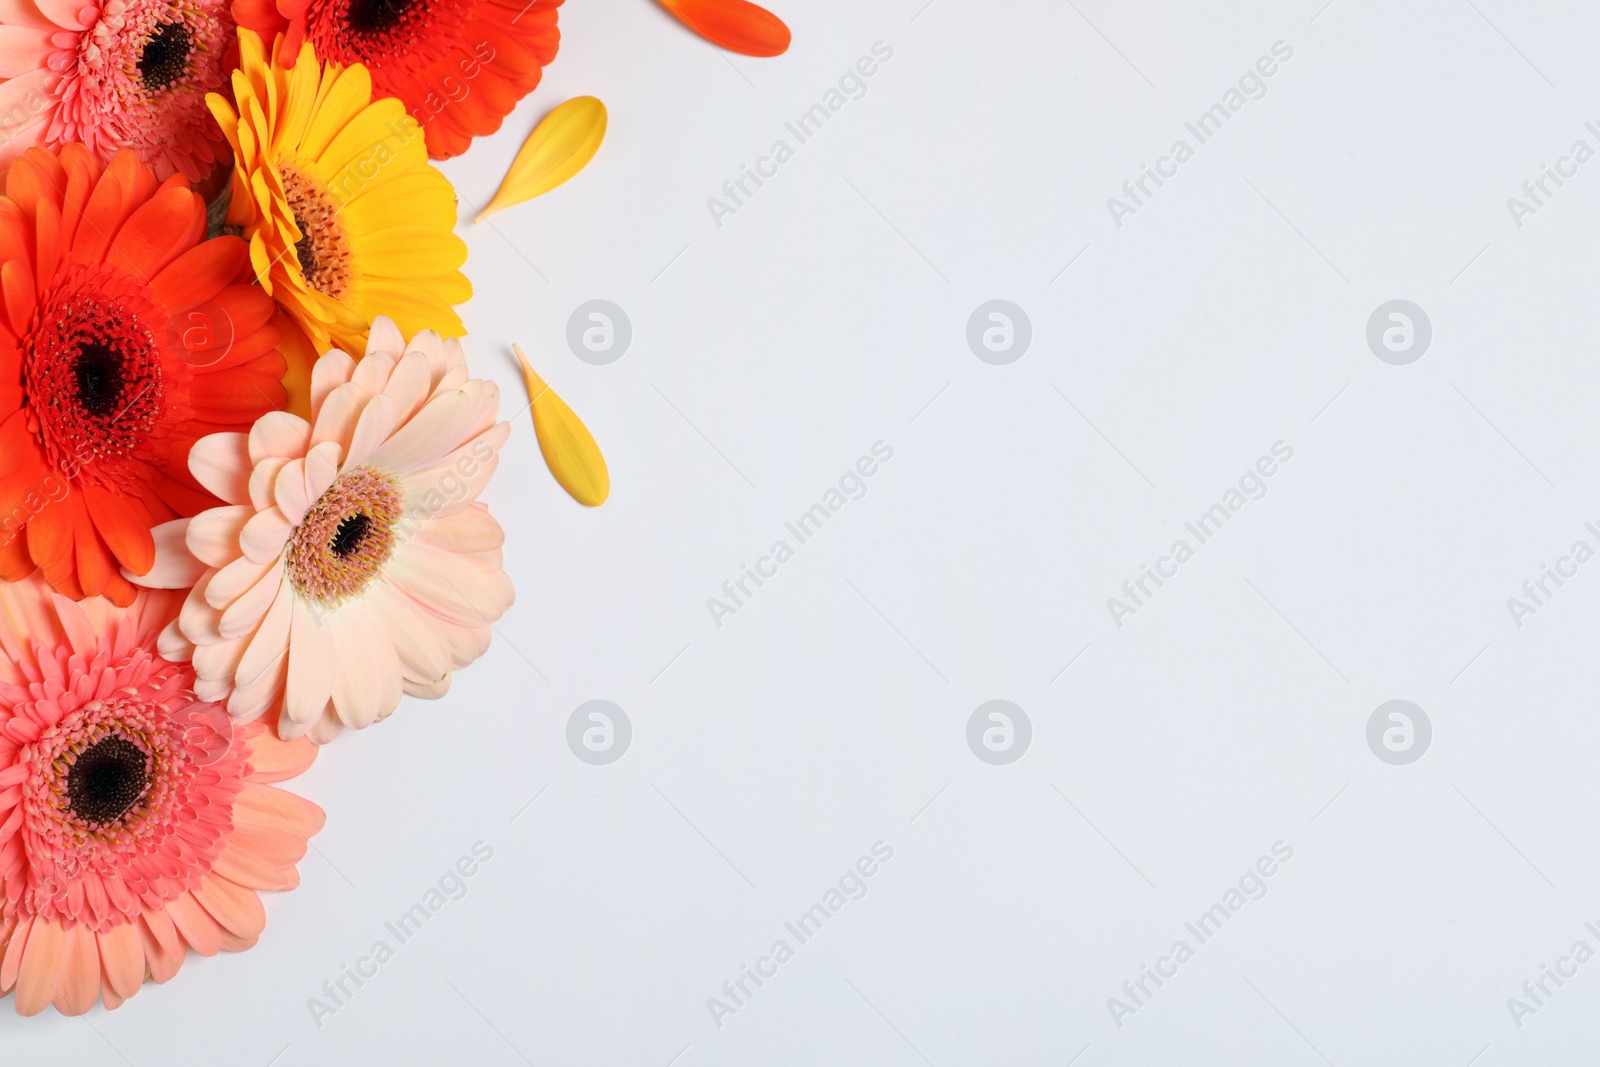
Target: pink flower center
347,536
121,788
138,77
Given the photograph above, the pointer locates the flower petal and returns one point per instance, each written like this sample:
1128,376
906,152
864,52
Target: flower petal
385,338
175,566
271,641
213,536
42,964
123,957
372,429
331,370
289,491
569,448
366,686
336,419
264,536
423,654
453,587
278,433
221,463
558,148
736,25
311,667
241,616
322,467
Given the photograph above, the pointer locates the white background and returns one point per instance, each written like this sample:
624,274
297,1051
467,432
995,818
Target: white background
1168,754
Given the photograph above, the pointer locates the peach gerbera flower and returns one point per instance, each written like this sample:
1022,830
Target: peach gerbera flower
351,560
115,74
135,822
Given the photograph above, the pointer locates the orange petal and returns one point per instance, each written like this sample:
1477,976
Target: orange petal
236,908
734,24
123,957
79,976
199,929
42,963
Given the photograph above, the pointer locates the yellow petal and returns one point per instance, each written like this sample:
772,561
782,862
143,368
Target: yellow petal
559,147
568,447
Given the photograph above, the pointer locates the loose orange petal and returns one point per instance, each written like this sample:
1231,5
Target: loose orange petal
568,447
734,24
559,147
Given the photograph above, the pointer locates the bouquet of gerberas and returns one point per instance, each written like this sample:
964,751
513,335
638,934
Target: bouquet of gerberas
240,447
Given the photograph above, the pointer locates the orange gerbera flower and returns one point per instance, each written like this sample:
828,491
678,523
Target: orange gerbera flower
124,336
459,66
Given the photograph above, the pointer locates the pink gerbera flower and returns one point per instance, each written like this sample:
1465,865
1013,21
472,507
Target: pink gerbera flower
114,74
351,560
135,822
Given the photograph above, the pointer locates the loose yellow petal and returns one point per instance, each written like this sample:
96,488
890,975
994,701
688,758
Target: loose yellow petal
568,446
559,147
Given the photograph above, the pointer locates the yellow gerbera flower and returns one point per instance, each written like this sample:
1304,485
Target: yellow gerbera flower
345,218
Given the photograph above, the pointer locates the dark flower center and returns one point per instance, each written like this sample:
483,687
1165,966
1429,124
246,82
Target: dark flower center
352,531
322,250
305,249
107,779
165,56
99,372
93,379
375,16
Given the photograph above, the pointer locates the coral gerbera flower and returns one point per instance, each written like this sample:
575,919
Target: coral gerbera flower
123,337
352,560
115,74
459,66
346,220
134,823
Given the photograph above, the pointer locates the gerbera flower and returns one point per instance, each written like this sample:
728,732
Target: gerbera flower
123,337
131,830
346,220
115,74
352,560
459,66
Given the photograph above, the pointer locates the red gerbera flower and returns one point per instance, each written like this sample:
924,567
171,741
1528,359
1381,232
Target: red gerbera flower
459,66
123,338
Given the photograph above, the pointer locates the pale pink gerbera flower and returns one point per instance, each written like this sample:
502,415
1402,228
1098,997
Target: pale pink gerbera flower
351,560
135,820
114,74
